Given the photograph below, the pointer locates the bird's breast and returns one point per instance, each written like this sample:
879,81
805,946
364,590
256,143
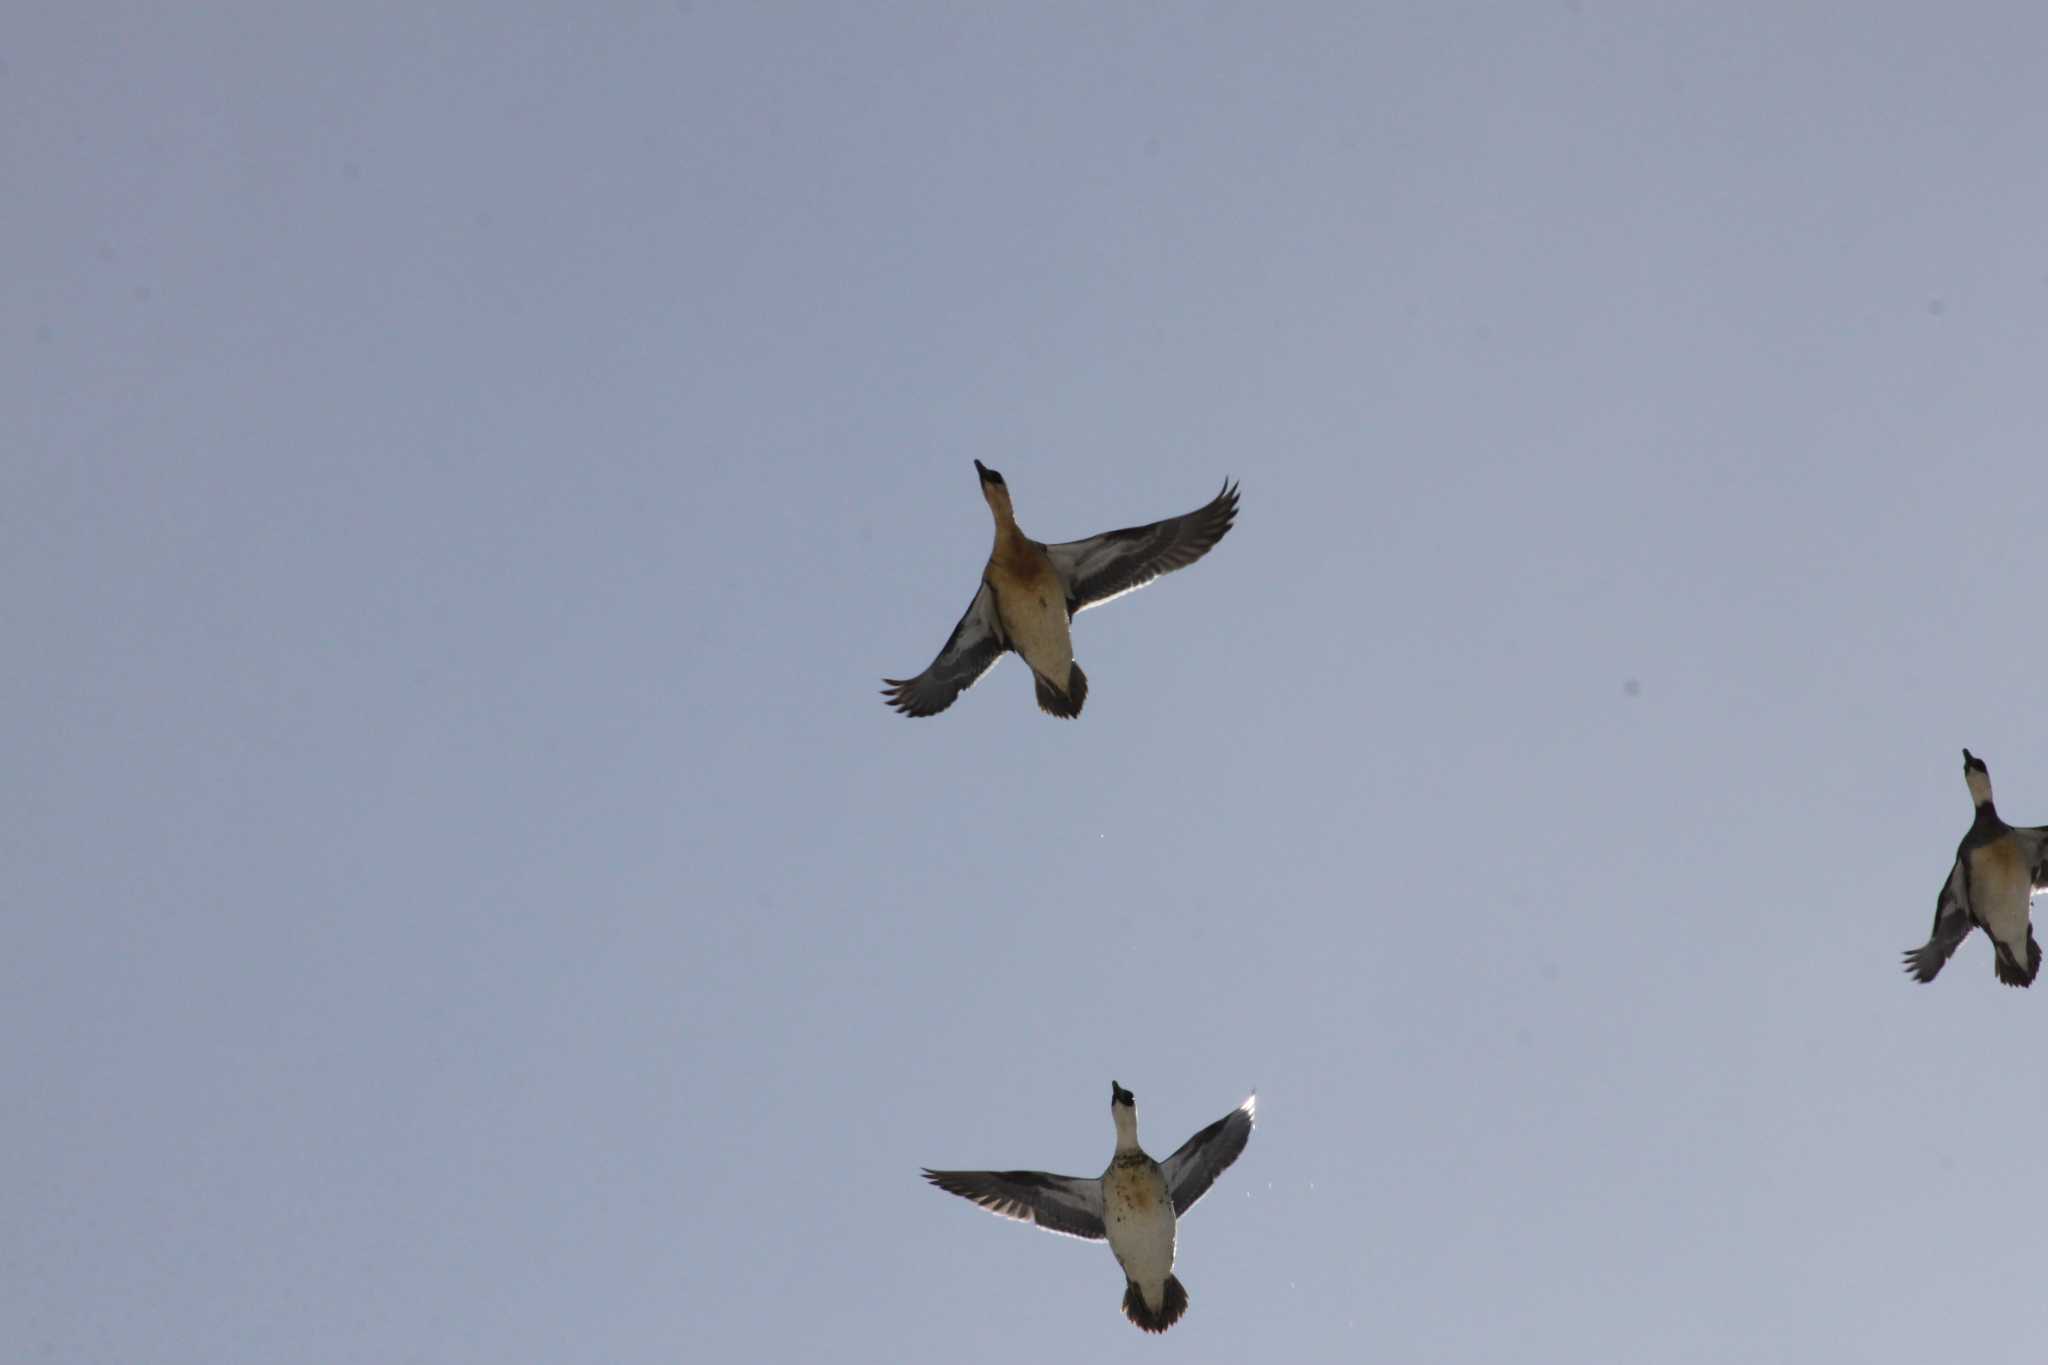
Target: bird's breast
1033,606
1021,565
1137,1188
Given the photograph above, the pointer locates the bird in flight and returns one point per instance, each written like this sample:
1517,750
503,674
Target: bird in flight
1990,887
1135,1205
1030,593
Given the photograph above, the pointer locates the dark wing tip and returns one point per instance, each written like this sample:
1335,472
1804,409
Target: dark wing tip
902,695
1199,532
983,1190
955,1182
1216,519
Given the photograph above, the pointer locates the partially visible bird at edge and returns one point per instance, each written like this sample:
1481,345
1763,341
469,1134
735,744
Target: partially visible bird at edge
1990,886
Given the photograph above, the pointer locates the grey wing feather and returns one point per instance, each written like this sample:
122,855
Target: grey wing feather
2033,844
1116,562
1951,926
973,646
1057,1203
1193,1169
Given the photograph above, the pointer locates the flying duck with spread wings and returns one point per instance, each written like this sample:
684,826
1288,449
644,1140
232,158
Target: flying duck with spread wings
1030,592
1135,1205
1990,886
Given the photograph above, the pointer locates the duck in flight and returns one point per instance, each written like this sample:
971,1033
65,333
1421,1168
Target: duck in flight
1991,887
1030,593
1135,1204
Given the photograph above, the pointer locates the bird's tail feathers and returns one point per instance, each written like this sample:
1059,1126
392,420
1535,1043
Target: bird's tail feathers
1062,702
2008,967
1172,1304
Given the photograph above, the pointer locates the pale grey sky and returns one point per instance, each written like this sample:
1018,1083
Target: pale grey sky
464,474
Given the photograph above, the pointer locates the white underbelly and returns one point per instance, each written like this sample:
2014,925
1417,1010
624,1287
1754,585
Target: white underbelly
1140,1222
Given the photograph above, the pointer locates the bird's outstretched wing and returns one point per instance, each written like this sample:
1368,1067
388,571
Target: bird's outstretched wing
1116,562
1951,926
974,644
1057,1203
1193,1169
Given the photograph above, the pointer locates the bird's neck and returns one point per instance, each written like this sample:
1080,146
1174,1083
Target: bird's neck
1126,1128
999,507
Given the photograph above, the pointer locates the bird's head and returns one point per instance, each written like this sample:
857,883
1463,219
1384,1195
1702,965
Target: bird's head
994,489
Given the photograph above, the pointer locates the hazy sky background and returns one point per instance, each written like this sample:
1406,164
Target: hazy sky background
465,471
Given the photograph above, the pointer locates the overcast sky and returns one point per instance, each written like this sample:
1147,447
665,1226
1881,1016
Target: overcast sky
465,470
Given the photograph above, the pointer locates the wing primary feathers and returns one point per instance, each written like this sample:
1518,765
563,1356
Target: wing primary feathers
1193,1169
1057,1203
1116,562
972,648
1951,926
